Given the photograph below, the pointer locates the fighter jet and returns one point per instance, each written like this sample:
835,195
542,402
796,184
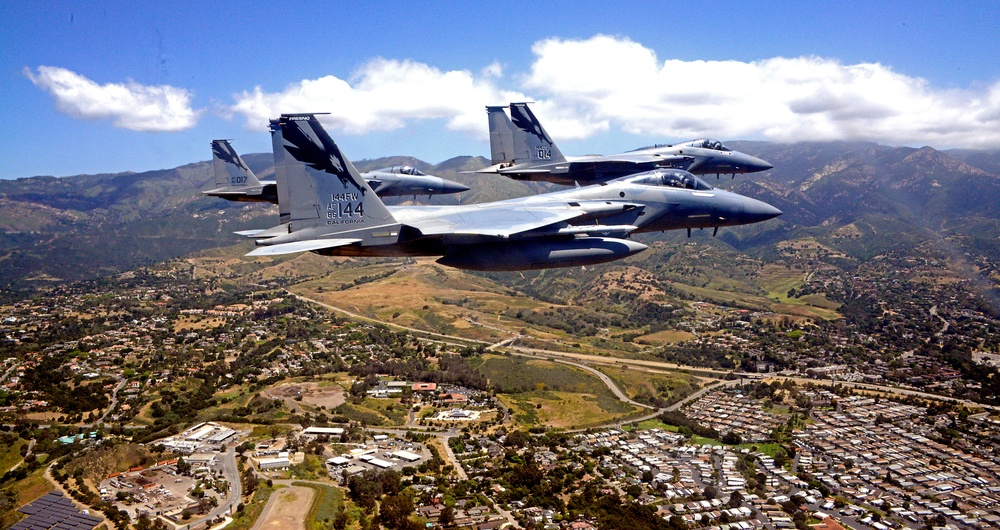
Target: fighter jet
235,182
331,210
521,149
399,181
233,179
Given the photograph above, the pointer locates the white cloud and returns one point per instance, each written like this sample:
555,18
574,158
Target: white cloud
384,95
584,87
129,105
495,69
617,81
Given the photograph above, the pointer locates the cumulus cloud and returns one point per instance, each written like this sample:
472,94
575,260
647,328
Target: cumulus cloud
604,83
384,95
617,81
129,105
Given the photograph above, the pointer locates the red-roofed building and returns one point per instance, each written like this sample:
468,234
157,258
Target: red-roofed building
453,398
828,524
424,387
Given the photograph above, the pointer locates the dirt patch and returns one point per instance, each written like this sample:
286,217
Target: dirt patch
311,393
288,510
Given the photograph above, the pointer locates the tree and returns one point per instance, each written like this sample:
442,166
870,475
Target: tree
780,457
735,499
183,467
447,516
395,511
341,520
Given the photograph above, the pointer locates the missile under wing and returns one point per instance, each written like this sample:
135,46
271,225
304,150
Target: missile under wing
331,210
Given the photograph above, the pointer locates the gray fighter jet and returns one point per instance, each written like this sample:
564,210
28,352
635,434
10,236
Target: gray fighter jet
399,181
234,180
331,210
521,149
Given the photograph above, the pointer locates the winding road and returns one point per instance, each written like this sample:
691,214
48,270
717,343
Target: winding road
509,345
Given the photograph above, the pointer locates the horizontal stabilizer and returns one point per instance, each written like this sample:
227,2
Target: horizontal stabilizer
301,246
507,168
495,168
525,171
249,233
234,192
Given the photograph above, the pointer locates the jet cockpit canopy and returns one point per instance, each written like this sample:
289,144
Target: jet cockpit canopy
708,143
406,170
672,179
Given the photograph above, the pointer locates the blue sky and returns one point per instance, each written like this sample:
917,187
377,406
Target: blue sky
93,87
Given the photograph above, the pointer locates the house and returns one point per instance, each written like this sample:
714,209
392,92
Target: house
490,525
453,398
829,523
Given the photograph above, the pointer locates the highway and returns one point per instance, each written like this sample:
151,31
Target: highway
510,346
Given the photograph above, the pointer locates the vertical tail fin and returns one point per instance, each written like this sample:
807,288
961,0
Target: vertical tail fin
322,187
531,143
501,136
230,170
280,177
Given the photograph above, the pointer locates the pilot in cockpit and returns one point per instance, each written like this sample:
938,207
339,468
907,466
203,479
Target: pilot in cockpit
675,179
407,170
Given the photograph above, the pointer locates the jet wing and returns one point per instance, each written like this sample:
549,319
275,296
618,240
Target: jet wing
492,222
301,246
503,221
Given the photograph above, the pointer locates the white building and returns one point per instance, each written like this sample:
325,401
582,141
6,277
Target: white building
405,455
323,431
278,462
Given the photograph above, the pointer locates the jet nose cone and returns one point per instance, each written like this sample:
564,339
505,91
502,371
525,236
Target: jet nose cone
754,164
455,187
755,211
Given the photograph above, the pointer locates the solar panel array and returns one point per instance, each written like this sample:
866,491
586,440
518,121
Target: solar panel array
54,512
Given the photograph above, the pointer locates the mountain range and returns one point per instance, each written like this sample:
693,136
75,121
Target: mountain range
859,199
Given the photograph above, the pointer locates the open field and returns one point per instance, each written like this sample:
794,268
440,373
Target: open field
777,280
760,303
542,392
642,384
270,431
670,336
364,414
565,410
312,393
656,424
424,296
251,513
11,455
328,501
289,509
196,322
517,374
